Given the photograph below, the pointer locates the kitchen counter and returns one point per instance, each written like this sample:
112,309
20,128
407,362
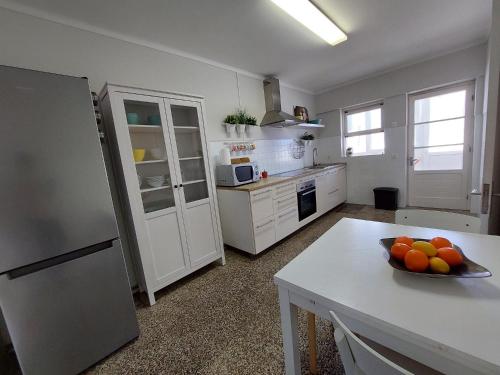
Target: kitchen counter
282,177
262,183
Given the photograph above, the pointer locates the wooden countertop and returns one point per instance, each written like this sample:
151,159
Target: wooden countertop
262,183
277,179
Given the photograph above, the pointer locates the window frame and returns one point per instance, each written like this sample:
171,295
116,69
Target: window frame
469,86
358,109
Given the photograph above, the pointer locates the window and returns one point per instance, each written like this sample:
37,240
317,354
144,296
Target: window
363,133
438,122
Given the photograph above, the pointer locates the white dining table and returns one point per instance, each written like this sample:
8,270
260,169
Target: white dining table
451,325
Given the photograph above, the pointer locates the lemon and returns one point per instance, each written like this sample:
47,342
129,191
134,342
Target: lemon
438,265
425,247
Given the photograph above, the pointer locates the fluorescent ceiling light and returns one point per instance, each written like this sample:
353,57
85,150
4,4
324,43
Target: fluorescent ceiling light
311,17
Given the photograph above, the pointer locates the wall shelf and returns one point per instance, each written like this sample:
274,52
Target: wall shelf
306,125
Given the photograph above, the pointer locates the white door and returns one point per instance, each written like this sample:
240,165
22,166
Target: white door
190,155
440,128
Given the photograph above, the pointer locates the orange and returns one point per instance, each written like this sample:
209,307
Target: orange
440,242
399,250
403,239
450,256
416,261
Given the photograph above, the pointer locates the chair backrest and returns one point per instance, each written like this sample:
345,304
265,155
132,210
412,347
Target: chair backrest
439,220
357,357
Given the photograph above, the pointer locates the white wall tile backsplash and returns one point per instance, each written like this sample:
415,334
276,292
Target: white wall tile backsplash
272,155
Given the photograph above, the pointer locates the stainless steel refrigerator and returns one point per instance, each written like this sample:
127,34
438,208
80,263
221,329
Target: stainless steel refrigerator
64,290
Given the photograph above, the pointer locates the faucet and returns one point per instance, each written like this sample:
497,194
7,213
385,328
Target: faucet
315,156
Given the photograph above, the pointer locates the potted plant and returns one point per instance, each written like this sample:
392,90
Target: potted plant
241,116
307,138
250,122
230,123
240,120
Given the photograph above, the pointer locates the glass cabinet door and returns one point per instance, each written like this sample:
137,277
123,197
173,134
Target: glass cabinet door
188,138
145,123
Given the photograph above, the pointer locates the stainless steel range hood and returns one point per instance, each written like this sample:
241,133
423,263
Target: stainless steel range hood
274,116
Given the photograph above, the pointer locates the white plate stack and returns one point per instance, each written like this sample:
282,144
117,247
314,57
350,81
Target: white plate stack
155,181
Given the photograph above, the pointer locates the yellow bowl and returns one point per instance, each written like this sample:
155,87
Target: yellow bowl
139,154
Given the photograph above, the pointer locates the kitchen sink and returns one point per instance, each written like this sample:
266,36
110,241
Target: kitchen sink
321,166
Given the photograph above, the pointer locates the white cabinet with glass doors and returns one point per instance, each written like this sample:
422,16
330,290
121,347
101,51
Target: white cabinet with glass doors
159,146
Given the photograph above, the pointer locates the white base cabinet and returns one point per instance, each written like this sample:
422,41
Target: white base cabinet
252,221
159,150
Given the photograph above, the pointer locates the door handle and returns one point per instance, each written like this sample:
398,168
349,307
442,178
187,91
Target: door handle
475,192
412,161
309,192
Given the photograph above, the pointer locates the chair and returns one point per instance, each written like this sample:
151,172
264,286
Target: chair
357,357
438,219
363,356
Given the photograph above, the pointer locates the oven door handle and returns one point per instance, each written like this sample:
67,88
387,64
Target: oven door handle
309,192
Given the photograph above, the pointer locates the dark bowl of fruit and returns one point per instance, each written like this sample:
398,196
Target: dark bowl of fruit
436,257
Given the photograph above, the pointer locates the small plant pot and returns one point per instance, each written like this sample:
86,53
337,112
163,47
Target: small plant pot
250,130
229,129
240,129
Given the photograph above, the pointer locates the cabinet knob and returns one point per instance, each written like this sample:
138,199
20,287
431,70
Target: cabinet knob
180,185
175,186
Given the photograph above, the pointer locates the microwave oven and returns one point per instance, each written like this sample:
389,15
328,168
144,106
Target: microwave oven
236,174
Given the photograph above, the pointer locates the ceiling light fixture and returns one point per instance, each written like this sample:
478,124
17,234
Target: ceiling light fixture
314,19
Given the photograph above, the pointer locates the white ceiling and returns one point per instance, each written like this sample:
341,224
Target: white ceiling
258,37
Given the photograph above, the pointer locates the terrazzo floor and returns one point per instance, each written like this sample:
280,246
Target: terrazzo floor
225,319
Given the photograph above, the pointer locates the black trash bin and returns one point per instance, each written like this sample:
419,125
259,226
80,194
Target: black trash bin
386,198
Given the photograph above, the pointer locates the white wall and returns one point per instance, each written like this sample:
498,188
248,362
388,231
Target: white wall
35,43
490,158
366,172
30,42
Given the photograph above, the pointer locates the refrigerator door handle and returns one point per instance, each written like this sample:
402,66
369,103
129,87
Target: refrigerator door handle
35,267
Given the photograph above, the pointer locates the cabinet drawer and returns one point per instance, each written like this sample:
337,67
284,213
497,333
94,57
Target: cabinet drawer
284,189
265,234
262,204
287,222
285,202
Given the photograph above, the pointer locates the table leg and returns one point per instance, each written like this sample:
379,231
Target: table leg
311,335
289,330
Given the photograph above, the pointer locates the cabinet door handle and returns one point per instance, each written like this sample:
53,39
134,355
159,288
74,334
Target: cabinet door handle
175,186
334,191
287,199
263,225
287,213
180,185
259,194
280,188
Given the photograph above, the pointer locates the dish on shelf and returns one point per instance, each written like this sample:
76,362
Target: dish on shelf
157,153
155,181
132,118
154,120
139,154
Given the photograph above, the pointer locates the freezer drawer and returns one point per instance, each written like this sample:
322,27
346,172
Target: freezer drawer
64,318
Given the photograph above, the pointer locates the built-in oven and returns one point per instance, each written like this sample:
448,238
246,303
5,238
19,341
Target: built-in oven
306,198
